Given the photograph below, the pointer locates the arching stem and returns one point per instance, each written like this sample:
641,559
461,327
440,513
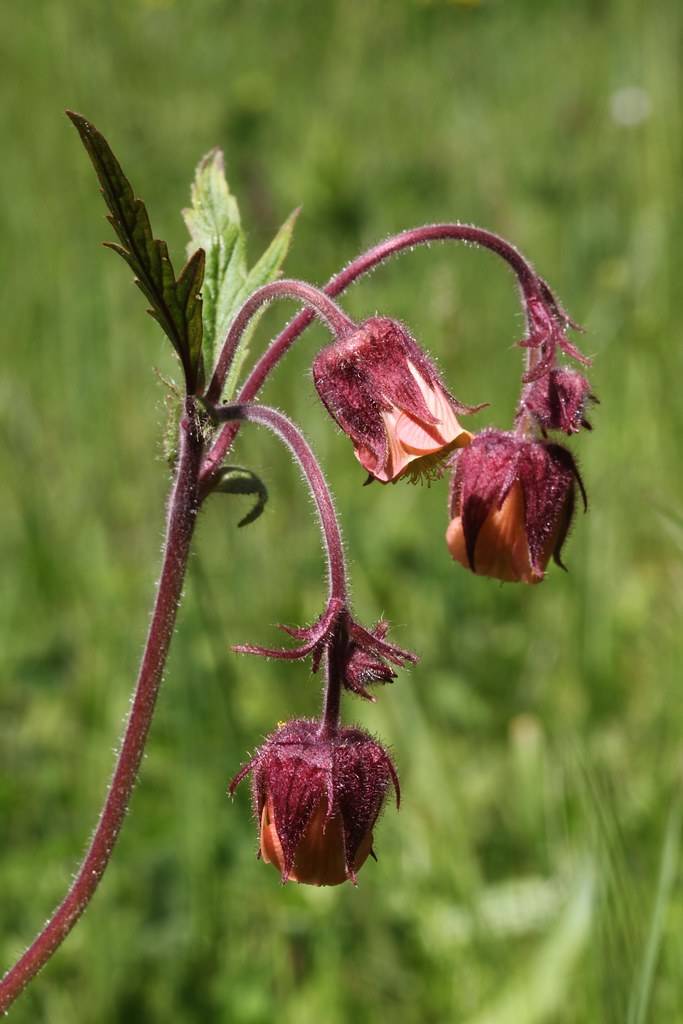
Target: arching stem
296,442
530,284
321,305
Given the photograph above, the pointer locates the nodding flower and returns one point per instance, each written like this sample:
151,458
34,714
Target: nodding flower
512,505
388,397
558,400
317,798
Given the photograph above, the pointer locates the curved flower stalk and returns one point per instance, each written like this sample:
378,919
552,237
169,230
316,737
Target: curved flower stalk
552,397
546,321
362,653
321,305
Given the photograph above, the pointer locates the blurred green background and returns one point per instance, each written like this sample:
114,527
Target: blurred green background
532,873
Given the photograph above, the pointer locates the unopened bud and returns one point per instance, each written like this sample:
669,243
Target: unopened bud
512,505
317,799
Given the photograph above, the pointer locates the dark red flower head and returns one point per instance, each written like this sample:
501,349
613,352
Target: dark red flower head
512,506
385,393
317,799
558,400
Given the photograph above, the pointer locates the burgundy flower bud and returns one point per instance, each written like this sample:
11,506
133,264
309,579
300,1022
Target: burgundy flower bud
558,400
512,505
385,393
317,798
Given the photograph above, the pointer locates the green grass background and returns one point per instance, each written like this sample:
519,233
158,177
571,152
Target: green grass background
532,873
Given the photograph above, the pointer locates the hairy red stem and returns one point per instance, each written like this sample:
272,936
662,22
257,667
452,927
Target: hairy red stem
335,613
334,682
182,513
321,306
279,424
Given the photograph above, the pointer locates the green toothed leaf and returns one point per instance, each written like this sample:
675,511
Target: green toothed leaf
175,303
214,212
213,222
266,269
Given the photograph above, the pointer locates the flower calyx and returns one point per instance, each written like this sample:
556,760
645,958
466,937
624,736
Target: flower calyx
316,798
389,398
363,662
512,504
547,324
363,656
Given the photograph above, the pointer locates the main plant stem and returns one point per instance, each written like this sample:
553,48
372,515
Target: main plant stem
182,513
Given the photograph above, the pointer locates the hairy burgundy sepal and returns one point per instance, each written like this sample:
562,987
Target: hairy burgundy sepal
547,325
317,798
365,656
558,400
389,398
364,664
512,505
